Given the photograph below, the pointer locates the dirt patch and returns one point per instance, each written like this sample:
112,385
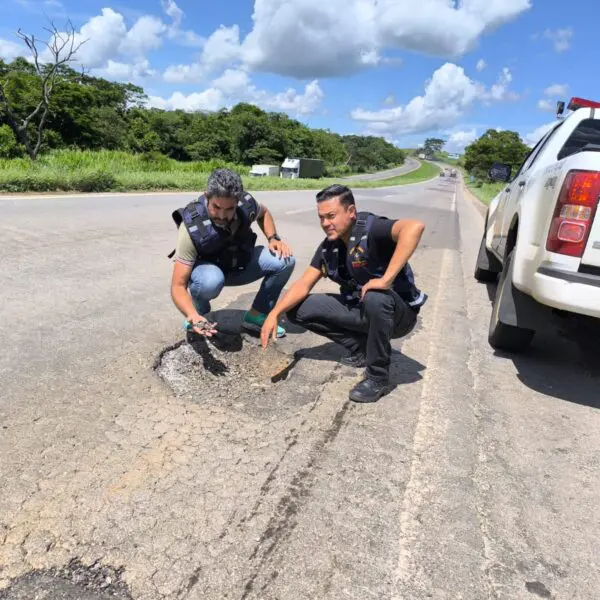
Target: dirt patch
76,581
234,371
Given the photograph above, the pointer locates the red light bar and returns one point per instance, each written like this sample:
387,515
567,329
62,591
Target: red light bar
576,103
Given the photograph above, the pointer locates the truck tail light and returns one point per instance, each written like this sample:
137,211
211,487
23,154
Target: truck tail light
574,213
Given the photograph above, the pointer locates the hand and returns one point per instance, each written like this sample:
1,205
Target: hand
202,326
268,330
374,284
280,248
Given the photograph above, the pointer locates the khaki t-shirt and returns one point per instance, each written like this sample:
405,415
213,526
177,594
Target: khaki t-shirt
185,251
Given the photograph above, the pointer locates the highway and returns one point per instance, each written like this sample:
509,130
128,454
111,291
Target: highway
410,164
477,477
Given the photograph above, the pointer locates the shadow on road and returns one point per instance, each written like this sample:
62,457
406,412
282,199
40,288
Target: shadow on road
563,361
404,370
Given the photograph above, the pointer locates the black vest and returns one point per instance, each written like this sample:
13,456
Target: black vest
216,245
361,267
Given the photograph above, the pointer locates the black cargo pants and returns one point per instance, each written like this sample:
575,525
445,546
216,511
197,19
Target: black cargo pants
367,326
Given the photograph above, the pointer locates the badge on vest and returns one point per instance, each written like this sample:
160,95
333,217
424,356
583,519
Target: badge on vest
358,260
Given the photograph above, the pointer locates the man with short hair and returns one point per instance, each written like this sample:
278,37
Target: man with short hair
367,255
216,247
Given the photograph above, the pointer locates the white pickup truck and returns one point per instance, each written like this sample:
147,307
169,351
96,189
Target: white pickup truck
542,235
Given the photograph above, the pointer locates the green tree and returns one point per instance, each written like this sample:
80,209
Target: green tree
28,126
433,145
494,146
9,147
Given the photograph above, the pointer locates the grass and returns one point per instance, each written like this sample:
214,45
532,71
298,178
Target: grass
75,171
486,192
483,190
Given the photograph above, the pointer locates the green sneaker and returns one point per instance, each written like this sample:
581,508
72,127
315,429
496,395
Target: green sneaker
255,323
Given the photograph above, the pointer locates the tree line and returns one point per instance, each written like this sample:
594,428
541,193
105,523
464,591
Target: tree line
494,146
92,113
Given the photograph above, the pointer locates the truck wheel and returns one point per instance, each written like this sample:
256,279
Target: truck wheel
487,266
502,336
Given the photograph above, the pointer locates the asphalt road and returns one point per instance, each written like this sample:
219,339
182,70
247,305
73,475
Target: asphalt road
410,164
477,477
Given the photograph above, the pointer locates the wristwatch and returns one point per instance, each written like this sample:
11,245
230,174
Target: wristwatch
273,237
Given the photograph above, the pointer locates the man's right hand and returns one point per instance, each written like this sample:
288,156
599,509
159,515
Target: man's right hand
198,325
269,329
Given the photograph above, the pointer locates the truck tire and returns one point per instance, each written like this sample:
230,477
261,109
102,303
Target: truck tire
501,336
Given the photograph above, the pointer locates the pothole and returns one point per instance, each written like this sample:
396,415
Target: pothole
75,581
234,371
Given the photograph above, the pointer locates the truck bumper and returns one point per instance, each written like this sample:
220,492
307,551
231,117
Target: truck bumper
567,290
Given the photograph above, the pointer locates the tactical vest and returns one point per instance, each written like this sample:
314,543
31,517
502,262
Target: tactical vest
361,267
216,245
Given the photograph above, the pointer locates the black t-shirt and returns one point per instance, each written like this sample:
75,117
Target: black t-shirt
381,246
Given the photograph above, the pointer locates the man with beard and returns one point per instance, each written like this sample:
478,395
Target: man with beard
216,246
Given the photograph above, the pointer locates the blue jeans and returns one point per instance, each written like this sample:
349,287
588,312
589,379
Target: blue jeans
207,280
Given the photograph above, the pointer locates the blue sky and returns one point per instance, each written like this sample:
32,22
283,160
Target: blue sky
403,69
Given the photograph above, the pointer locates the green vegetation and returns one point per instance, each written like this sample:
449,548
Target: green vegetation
493,146
87,171
485,191
149,146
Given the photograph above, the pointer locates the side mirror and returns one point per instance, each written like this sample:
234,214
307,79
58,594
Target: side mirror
500,172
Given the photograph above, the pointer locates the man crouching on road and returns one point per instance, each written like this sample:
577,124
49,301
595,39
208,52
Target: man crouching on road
216,247
367,255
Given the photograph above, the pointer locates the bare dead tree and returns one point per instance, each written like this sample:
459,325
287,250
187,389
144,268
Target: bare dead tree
62,47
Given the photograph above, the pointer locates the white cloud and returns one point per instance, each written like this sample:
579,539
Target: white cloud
390,100
145,35
312,38
222,48
532,138
128,72
209,100
235,86
481,65
293,102
112,50
557,90
459,140
174,32
233,82
449,94
184,73
561,38
9,50
172,10
546,105
500,90
104,34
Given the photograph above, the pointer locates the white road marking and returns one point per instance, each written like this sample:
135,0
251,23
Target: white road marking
425,430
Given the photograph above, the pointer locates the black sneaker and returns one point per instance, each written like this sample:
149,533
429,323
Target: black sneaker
357,360
369,391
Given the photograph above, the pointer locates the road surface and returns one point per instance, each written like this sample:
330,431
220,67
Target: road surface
410,164
477,477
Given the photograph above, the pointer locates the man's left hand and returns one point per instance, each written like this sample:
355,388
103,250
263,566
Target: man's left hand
280,248
374,284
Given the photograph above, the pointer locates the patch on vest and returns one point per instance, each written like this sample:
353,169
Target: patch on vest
358,260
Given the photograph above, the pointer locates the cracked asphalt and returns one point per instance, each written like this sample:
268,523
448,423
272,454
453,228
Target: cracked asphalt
477,477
